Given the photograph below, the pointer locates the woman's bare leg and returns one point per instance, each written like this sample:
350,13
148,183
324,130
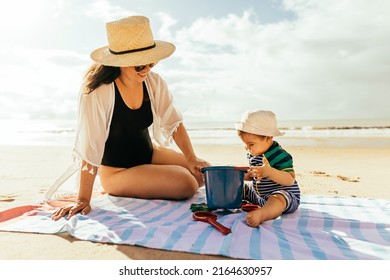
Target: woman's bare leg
162,155
166,178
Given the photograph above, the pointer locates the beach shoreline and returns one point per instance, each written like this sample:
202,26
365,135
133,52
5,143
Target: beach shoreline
27,171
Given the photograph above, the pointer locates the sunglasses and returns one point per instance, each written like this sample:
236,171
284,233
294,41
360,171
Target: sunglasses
139,68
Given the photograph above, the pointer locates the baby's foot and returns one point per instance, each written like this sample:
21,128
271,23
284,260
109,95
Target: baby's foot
255,218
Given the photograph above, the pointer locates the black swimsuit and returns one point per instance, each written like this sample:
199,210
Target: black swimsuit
129,142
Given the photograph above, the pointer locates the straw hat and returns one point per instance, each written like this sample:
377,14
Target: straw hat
259,122
131,43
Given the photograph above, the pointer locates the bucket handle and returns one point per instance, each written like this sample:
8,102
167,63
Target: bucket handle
242,168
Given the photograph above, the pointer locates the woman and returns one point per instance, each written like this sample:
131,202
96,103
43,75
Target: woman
124,110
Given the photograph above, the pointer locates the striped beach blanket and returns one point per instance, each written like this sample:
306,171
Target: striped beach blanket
324,227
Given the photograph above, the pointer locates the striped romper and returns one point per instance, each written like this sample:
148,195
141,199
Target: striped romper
258,192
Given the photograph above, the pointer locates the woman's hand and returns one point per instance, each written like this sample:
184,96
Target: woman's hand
195,165
80,205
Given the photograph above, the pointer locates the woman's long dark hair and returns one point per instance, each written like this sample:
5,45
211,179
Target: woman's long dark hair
99,74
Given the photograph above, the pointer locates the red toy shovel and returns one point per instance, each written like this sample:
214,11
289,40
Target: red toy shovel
210,218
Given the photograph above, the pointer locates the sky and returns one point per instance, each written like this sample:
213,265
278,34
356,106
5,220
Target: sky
302,59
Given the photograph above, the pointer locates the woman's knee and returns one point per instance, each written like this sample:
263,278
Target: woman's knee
188,185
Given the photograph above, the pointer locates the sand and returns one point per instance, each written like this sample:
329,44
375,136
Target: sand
27,171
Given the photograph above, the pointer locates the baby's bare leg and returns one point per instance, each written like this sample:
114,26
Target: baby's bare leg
272,209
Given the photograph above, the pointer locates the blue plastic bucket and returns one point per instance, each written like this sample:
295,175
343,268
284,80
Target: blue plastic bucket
223,186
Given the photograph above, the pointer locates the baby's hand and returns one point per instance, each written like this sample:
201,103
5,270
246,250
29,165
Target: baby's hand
258,172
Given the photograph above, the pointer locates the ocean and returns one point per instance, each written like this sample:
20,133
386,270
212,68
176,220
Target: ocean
369,132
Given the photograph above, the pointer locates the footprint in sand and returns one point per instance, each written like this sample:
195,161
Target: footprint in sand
7,198
343,178
320,173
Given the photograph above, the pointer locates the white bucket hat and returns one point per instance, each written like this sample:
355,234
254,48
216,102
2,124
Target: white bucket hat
259,122
131,43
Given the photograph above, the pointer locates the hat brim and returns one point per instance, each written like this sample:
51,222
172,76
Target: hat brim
160,51
254,130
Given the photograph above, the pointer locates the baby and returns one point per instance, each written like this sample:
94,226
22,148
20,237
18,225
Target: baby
273,185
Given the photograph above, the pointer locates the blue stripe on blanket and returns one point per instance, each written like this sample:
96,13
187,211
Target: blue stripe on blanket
284,246
254,252
338,242
201,240
307,237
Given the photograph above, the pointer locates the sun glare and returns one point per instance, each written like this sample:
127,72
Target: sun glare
22,15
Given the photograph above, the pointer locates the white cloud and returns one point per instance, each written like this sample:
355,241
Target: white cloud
40,83
164,29
326,63
106,11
